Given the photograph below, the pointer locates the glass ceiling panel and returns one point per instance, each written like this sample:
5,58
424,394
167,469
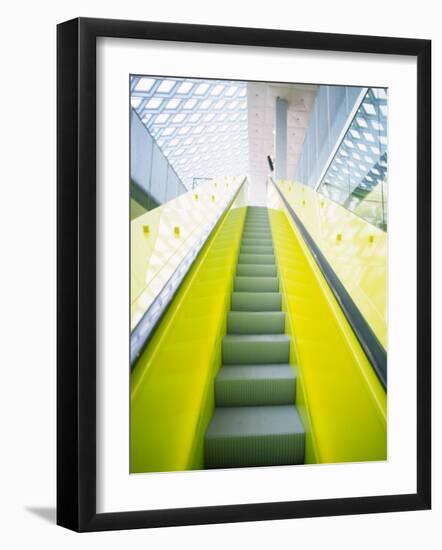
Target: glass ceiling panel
179,111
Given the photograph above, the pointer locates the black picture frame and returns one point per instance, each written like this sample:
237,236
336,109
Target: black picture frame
77,286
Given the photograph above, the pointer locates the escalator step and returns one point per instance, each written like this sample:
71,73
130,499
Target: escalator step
257,215
243,349
255,322
256,301
255,422
256,249
257,225
257,241
256,284
256,270
257,235
256,259
257,229
254,436
247,385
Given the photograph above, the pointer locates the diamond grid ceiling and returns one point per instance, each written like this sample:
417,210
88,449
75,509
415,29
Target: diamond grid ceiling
201,125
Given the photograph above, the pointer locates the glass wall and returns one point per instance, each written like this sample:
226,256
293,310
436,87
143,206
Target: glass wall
153,179
357,175
333,105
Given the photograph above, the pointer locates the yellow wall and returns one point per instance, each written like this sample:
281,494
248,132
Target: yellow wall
162,237
355,249
172,395
339,397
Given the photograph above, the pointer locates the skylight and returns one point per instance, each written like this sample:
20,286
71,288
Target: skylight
202,89
173,103
190,104
178,118
217,90
166,86
379,93
135,102
153,103
369,109
160,119
377,125
231,91
195,117
184,116
185,87
169,131
144,84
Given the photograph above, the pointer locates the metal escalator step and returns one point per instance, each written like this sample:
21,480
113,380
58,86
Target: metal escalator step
256,284
243,349
255,322
261,231
257,241
256,301
257,225
254,436
247,385
257,230
256,249
257,235
256,259
255,422
256,270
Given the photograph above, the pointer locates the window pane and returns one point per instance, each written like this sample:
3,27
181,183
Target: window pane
357,175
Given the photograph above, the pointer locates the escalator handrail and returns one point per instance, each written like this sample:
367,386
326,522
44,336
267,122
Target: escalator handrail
373,349
145,328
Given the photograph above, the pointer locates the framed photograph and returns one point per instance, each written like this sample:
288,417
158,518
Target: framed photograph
243,274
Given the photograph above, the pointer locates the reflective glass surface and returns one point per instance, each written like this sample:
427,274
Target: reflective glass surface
357,175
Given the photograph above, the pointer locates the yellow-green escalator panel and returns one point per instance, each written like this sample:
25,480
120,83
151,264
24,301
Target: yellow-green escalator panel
172,382
339,397
254,349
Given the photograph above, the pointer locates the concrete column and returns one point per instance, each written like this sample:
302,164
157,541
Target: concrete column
281,139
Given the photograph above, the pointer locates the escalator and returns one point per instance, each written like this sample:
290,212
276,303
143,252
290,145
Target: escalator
255,361
255,422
